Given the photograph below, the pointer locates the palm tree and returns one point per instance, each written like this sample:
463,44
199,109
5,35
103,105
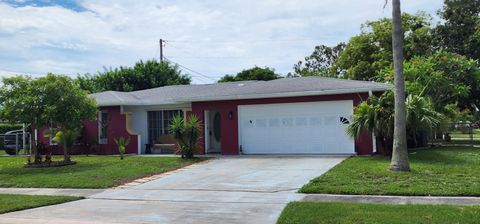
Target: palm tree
187,134
377,115
399,152
421,116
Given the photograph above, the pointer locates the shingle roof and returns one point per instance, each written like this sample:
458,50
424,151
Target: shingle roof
285,87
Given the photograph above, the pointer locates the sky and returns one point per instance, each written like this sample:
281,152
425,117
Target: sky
209,38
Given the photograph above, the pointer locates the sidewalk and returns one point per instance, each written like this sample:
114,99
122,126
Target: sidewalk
52,191
381,199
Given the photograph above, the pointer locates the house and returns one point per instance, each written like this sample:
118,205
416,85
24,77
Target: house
307,115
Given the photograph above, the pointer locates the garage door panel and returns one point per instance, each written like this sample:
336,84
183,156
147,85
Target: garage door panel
295,128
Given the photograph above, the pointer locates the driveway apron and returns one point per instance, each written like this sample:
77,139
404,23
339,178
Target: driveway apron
241,189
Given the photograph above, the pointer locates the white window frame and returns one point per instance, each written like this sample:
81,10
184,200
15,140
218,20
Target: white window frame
101,140
161,121
53,131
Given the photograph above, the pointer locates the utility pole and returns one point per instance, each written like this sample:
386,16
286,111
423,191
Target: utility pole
161,50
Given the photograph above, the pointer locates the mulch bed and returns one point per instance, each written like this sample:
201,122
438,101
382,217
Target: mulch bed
49,164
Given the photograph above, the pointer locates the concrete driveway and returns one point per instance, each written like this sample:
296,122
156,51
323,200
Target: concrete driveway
224,190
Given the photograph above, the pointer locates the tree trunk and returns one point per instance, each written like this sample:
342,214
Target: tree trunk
36,156
66,156
399,151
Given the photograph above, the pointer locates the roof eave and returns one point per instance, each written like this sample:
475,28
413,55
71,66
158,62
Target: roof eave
286,94
251,96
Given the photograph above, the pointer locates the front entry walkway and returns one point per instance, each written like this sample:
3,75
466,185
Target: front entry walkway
225,190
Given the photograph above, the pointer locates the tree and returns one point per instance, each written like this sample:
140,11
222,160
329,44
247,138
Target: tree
23,102
321,62
50,99
255,73
367,53
447,78
399,151
460,32
143,75
67,105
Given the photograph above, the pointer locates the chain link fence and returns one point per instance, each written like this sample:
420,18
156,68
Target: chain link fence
15,143
462,133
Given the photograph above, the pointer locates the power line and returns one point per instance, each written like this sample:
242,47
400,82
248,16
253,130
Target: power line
191,70
233,57
246,40
11,72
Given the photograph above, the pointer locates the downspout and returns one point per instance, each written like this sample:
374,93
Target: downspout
374,138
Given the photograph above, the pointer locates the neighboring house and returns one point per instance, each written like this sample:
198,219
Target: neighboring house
285,116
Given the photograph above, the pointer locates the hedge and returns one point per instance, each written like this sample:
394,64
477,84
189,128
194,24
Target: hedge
9,127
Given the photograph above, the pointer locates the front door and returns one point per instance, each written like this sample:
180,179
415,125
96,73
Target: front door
212,132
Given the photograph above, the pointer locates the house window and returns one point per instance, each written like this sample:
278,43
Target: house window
158,122
102,127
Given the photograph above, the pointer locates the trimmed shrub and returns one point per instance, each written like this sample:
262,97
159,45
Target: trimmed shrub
9,127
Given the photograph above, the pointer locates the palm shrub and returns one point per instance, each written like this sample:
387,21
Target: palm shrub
187,134
421,116
377,115
65,138
122,145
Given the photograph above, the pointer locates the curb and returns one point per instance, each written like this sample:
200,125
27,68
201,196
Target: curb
402,200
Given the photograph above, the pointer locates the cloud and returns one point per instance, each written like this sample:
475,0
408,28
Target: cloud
212,37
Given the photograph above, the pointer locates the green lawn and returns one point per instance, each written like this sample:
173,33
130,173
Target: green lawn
324,212
89,172
13,202
459,134
456,141
449,171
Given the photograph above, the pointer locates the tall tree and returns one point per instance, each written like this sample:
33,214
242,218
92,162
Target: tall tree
399,152
39,102
367,53
460,32
321,62
22,102
67,106
255,73
447,78
143,75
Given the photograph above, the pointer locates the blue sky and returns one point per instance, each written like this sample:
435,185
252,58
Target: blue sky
212,37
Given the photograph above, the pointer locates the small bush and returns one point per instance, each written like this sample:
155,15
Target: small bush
122,145
187,134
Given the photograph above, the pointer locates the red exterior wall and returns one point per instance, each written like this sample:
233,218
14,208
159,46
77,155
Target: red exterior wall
116,127
229,128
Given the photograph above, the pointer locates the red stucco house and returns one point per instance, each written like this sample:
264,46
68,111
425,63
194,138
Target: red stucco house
306,115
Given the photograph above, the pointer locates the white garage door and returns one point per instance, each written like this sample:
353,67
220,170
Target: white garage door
296,128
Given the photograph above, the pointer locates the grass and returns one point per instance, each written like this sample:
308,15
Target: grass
12,202
325,212
457,141
89,172
459,134
448,171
